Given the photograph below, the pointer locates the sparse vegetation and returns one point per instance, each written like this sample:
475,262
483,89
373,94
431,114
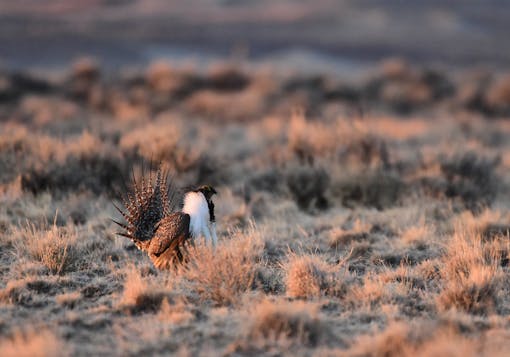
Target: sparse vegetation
373,231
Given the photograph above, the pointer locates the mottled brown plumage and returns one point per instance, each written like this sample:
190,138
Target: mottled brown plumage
167,245
151,224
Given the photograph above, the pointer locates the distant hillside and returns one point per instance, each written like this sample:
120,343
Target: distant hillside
117,31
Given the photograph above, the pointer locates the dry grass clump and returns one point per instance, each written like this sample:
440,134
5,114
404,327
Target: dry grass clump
393,341
309,276
400,339
280,321
163,141
359,232
21,149
33,344
221,275
371,291
475,292
354,142
419,234
429,270
471,273
39,149
42,111
308,139
141,293
54,247
153,140
176,313
225,106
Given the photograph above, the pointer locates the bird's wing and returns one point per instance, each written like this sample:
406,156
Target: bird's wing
172,231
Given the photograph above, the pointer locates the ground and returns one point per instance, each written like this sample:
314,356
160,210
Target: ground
367,217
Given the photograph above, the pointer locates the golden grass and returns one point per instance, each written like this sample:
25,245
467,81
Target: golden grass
142,293
417,234
471,271
41,343
407,259
164,140
238,106
54,247
176,313
340,237
403,339
372,290
280,321
221,275
309,276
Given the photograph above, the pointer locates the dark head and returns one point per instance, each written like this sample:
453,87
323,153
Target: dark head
207,190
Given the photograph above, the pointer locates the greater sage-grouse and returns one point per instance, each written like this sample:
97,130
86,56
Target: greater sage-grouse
155,225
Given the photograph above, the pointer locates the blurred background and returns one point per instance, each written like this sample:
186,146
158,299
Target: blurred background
349,142
308,35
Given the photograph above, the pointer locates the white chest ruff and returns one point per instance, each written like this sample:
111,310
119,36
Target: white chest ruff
196,206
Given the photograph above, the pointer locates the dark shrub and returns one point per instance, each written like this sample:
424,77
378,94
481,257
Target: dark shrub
17,85
97,174
227,79
441,87
343,92
308,186
471,178
494,231
377,189
311,83
269,180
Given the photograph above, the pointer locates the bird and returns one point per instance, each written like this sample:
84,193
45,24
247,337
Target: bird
156,227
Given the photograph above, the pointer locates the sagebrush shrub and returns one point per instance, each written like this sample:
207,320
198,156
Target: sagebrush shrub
221,275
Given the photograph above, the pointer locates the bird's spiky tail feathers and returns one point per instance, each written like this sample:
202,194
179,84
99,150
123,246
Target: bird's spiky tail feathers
144,207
